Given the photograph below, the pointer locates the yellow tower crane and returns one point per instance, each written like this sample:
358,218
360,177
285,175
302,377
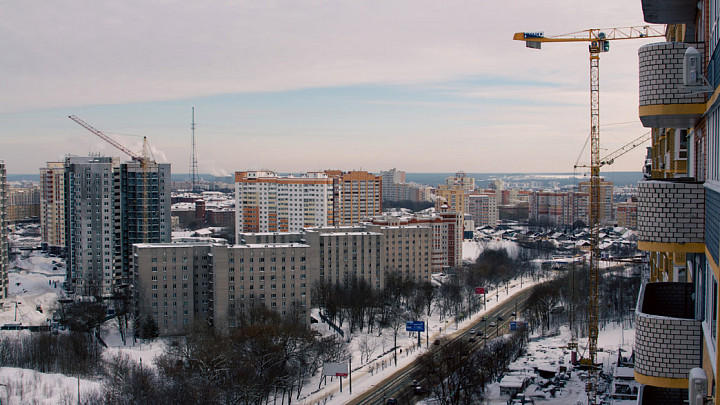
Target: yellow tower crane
599,42
145,159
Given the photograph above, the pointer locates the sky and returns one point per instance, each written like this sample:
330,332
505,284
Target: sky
292,86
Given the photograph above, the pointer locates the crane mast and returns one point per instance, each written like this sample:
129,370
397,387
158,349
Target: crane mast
598,43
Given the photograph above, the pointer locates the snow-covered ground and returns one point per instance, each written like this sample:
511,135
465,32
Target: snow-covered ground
471,249
22,386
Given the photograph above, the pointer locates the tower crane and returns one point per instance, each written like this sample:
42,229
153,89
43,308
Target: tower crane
599,41
610,157
145,159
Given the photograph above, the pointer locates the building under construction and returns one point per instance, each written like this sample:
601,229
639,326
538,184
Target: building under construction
109,206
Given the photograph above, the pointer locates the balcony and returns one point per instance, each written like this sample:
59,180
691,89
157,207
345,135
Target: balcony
650,395
669,11
671,216
663,103
667,337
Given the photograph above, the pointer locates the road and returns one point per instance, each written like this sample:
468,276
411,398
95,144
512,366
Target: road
399,385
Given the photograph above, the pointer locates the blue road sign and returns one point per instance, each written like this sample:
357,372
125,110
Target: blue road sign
415,326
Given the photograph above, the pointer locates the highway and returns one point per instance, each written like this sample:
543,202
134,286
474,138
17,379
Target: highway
399,385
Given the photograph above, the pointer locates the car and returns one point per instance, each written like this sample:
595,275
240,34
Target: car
484,318
472,339
391,401
492,324
500,318
437,342
513,314
414,383
472,331
419,390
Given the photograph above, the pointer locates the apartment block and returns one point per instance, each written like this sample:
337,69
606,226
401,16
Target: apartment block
558,208
268,202
678,207
483,208
4,250
453,196
357,195
626,214
23,204
461,180
108,207
179,284
52,207
606,209
391,178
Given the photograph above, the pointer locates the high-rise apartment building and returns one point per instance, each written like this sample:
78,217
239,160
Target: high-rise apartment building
460,179
268,202
391,178
23,204
108,207
4,251
607,206
52,207
678,219
454,196
558,208
483,208
179,284
358,195
626,214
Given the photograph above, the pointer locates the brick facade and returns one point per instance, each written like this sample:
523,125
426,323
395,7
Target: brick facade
667,338
671,211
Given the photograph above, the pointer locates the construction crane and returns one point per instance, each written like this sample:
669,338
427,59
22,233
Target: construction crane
610,158
599,41
145,159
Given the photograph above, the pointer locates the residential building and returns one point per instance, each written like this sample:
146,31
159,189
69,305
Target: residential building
180,284
4,251
268,202
626,214
109,206
558,208
678,218
483,208
357,195
606,199
390,179
52,207
460,179
453,196
23,204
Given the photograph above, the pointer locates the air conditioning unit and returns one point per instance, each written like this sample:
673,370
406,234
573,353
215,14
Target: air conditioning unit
697,387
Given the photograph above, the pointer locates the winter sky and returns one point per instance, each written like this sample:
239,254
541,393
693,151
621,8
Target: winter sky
424,86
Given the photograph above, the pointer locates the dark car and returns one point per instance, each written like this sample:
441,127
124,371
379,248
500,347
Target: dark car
419,390
471,340
391,401
500,318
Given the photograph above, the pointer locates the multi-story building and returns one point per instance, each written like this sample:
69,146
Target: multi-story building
4,252
483,208
52,207
23,204
179,284
460,179
454,196
678,217
108,207
268,202
558,208
357,195
606,199
626,214
390,179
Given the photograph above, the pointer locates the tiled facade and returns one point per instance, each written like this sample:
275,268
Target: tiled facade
4,252
671,212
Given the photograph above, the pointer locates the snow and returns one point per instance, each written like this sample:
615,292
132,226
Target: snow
472,249
33,281
22,386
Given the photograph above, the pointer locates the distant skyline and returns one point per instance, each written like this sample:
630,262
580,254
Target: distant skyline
423,86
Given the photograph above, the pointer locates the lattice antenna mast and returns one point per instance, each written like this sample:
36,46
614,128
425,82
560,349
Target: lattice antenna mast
193,159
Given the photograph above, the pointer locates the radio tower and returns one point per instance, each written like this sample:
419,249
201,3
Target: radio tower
193,160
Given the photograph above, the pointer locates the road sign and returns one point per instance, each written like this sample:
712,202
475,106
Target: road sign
479,290
415,326
518,325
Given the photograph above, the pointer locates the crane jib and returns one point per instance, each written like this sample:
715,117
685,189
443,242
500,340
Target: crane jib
533,35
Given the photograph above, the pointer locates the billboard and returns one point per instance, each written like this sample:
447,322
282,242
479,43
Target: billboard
335,369
479,290
415,326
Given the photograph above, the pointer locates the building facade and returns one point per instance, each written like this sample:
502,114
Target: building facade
483,208
52,206
4,250
558,208
180,284
23,204
607,206
268,202
678,216
108,207
357,195
390,180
